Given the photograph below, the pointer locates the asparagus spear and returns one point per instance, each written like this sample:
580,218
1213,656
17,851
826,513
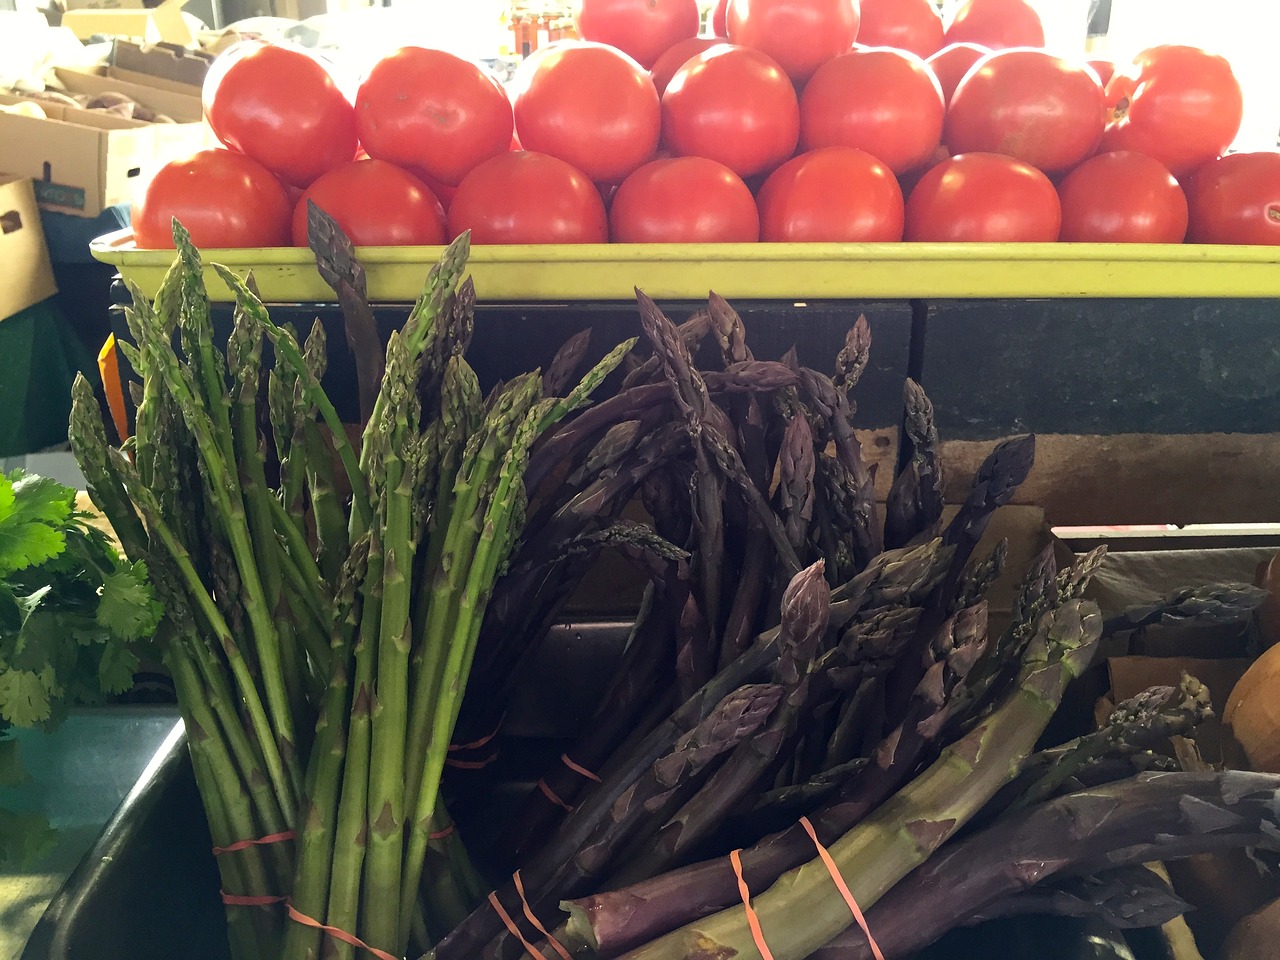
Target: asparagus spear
915,499
1210,603
851,361
1161,816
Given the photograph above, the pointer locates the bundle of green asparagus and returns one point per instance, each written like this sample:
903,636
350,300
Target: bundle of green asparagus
320,621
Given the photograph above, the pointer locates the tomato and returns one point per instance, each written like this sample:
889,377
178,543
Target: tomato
590,105
984,197
1236,199
1178,104
642,29
224,199
281,107
1122,197
430,111
527,197
996,24
684,200
800,35
1030,105
376,204
719,19
836,194
735,105
886,102
952,62
912,25
1105,70
676,57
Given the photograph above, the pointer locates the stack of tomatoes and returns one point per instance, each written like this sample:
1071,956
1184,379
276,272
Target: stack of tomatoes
799,120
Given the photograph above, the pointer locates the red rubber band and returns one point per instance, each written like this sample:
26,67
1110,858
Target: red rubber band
441,834
528,912
236,900
581,771
511,925
753,919
472,764
260,841
843,887
554,797
337,934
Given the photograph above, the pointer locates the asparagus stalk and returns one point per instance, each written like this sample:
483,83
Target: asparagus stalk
1210,603
1160,816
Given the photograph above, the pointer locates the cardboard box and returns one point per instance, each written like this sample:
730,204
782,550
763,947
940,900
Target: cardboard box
169,62
27,276
83,161
128,18
183,106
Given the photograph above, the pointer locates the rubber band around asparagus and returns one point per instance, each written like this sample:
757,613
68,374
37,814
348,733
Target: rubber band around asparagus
477,744
441,834
471,764
238,900
337,934
257,842
843,887
511,925
554,797
753,918
552,942
579,770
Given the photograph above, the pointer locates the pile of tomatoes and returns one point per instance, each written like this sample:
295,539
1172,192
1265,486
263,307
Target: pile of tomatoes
799,120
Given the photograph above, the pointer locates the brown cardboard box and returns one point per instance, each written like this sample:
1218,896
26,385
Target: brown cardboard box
83,161
26,277
169,62
183,106
128,18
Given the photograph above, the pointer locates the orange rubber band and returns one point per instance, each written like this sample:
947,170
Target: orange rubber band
554,797
475,744
337,934
236,900
260,841
441,834
471,764
511,925
842,887
753,918
528,912
581,771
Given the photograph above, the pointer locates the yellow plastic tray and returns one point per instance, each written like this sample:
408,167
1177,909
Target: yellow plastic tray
776,271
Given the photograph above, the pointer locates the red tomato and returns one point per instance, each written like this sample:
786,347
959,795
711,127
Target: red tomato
886,102
684,200
642,29
224,199
836,194
996,24
800,35
590,105
444,192
377,204
952,62
527,197
430,111
281,107
912,25
719,19
1178,104
1122,197
676,57
1236,199
1030,105
735,105
984,197
1105,70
